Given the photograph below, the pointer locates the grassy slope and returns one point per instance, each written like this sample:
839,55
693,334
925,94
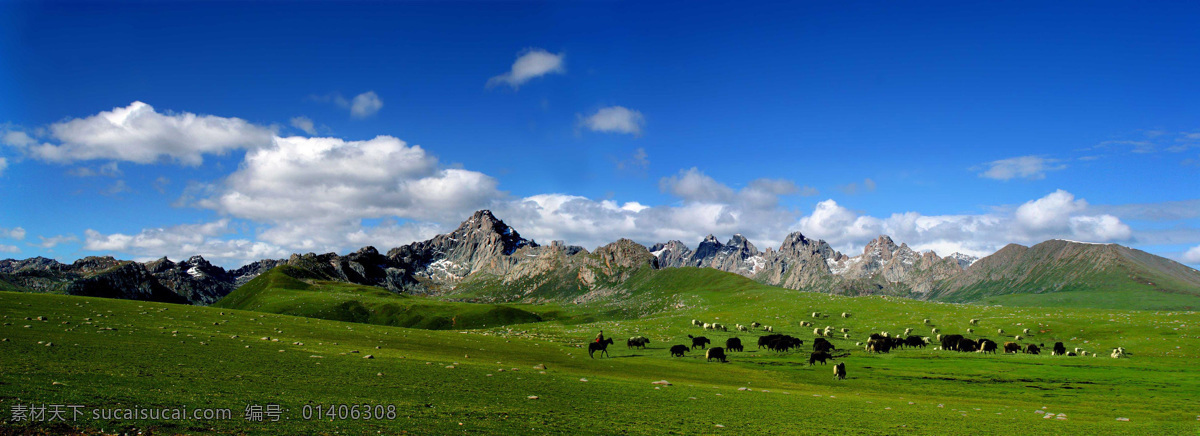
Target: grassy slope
143,362
284,290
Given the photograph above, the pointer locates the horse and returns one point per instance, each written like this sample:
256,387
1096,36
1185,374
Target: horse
601,346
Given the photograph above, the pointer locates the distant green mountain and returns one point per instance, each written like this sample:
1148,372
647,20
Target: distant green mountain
296,291
1061,273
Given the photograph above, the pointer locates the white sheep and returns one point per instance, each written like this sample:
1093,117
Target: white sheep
816,314
769,329
755,325
926,320
845,330
999,331
907,332
1018,338
696,322
939,338
845,336
1025,331
708,326
885,334
970,330
974,322
817,332
845,315
1118,352
936,331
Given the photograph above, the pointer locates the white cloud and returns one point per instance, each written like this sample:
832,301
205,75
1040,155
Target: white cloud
639,161
530,64
1192,256
1049,213
138,133
3,165
839,225
694,186
17,138
365,104
1099,228
1025,167
54,241
615,119
17,233
853,188
184,241
305,125
9,248
107,170
314,191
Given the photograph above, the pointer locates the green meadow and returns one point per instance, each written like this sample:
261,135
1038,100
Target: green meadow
301,343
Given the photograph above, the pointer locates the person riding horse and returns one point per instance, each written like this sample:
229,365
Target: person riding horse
600,337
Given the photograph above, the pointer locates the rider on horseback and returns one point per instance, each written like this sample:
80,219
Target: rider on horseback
600,337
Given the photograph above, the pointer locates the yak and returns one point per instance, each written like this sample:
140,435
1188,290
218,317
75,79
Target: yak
715,353
678,350
637,341
699,341
914,341
950,342
839,371
1012,347
987,346
1059,349
820,356
733,344
1032,349
965,345
821,345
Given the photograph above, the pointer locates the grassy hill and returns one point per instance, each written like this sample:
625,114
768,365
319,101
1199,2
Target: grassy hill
171,355
295,291
1068,274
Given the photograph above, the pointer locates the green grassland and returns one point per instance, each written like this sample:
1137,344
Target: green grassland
171,355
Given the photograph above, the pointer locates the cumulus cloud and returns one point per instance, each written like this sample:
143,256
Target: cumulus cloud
17,233
137,133
17,138
313,191
54,241
365,104
615,119
183,241
530,64
1056,215
9,248
1192,256
1025,167
305,125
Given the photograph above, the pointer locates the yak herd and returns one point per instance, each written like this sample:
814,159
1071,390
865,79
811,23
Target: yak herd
881,342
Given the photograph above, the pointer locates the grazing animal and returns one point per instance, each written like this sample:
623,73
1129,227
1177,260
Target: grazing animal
741,328
845,314
987,346
733,344
1012,347
926,320
822,345
819,356
699,341
817,332
879,345
974,322
1018,338
769,329
1059,349
816,314
845,336
678,350
696,322
1025,331
936,331
970,330
805,324
950,342
708,326
754,325
1071,354
839,371
601,346
999,331
1032,349
914,341
907,332
1118,352
965,345
715,353
637,341
845,330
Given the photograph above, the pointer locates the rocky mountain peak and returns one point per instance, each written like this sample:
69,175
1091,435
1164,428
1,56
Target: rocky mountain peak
739,245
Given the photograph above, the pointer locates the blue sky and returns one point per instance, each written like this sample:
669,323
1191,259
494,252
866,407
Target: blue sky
258,130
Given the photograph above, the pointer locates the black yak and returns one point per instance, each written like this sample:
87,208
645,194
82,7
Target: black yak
715,353
1012,347
699,341
637,341
678,350
1032,349
821,345
950,342
820,356
1059,349
966,345
987,346
914,341
839,371
733,344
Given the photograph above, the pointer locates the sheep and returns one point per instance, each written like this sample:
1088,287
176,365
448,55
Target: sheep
715,353
1078,350
845,314
999,331
936,331
845,336
974,322
755,325
816,314
970,330
742,328
696,322
1118,352
885,334
1018,338
1025,331
678,350
805,324
907,332
707,326
817,332
939,338
769,329
926,320
839,371
858,344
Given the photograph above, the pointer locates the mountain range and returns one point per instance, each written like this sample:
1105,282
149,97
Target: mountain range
485,253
